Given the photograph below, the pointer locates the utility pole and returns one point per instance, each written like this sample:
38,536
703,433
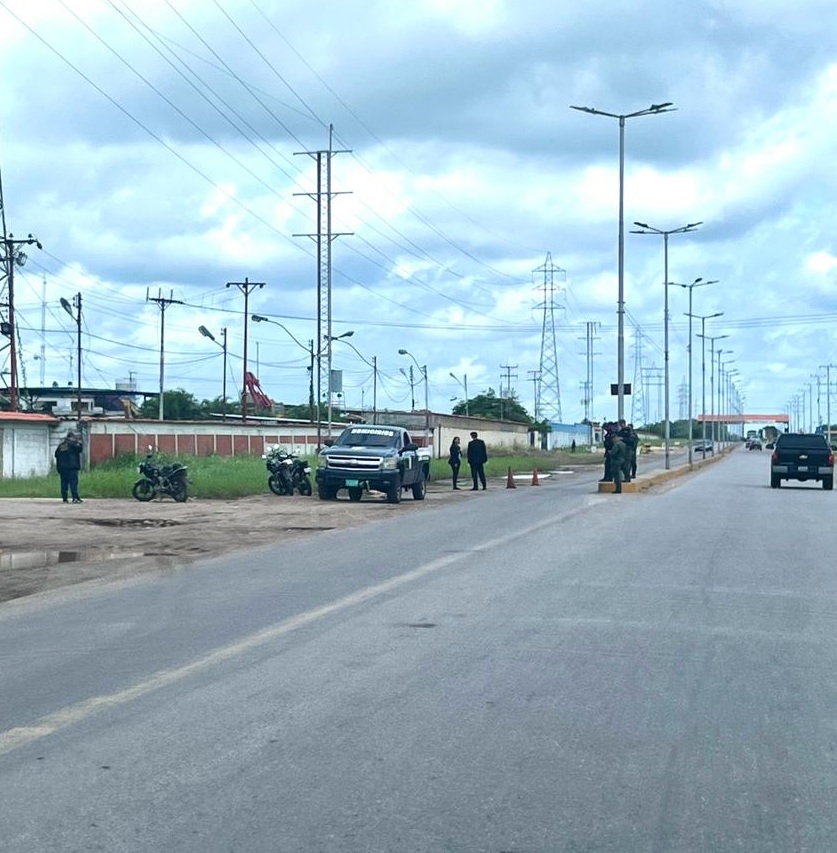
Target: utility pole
828,398
245,287
324,237
508,369
77,317
534,378
12,256
162,304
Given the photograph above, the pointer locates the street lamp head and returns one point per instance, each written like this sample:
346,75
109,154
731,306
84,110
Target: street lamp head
257,318
206,333
66,306
642,224
660,107
403,352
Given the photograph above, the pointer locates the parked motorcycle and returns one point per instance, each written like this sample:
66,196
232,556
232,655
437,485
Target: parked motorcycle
157,480
287,473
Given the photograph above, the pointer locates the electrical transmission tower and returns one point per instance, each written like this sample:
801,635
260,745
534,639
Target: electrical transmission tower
549,387
639,410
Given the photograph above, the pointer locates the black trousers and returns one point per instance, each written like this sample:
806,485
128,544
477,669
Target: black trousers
69,483
454,469
478,473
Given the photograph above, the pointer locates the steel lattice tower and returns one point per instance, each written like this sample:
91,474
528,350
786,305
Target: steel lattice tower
639,412
548,398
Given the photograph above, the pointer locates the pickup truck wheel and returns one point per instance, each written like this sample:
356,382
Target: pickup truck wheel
828,483
775,482
326,493
419,488
394,494
355,494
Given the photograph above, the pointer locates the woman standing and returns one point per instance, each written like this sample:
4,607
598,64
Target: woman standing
455,460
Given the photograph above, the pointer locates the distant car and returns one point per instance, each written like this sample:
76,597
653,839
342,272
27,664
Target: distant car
753,444
703,447
770,445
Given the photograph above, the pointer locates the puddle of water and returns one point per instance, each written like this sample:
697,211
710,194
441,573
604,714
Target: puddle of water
41,559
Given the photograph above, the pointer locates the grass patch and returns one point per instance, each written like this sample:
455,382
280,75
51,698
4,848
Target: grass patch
229,477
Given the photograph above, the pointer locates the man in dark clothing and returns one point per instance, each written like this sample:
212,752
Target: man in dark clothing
627,434
68,464
607,441
618,457
477,457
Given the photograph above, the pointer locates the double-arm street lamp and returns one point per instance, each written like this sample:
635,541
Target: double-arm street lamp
423,369
703,339
258,318
644,228
654,109
464,385
207,334
373,364
698,282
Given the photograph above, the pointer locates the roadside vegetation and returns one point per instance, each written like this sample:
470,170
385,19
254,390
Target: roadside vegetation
224,477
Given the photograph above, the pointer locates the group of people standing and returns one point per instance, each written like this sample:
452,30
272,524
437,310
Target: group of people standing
621,443
477,455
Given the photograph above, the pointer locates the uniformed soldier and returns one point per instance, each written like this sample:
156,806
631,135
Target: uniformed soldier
618,458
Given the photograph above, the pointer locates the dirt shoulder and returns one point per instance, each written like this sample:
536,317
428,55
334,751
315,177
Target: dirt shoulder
46,544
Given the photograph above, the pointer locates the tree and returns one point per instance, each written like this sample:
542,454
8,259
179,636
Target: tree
489,405
178,405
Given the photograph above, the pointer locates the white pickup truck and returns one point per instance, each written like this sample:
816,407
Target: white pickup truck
371,457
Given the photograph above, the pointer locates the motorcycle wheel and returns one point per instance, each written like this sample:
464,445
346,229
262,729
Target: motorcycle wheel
275,485
143,490
304,487
180,493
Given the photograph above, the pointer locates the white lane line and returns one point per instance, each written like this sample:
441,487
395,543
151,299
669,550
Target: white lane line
15,738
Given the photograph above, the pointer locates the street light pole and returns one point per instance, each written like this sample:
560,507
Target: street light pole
207,334
258,318
644,228
654,109
465,387
702,337
373,364
698,282
423,369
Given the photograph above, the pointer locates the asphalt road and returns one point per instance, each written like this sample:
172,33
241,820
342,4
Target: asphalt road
529,670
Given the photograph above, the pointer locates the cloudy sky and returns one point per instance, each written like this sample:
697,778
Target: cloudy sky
155,150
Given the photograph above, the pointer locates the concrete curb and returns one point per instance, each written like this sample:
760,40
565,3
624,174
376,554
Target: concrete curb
646,481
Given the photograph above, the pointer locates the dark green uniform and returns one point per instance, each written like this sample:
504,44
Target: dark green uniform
618,457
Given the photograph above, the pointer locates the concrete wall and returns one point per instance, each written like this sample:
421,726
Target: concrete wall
25,450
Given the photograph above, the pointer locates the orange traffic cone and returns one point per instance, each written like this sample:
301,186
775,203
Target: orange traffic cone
510,484
535,481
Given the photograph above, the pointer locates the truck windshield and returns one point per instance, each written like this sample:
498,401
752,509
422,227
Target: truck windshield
367,438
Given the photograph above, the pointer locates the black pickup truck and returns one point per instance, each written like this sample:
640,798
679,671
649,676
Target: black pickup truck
802,456
375,458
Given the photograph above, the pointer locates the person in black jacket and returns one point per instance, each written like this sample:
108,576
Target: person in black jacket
477,457
68,464
455,459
